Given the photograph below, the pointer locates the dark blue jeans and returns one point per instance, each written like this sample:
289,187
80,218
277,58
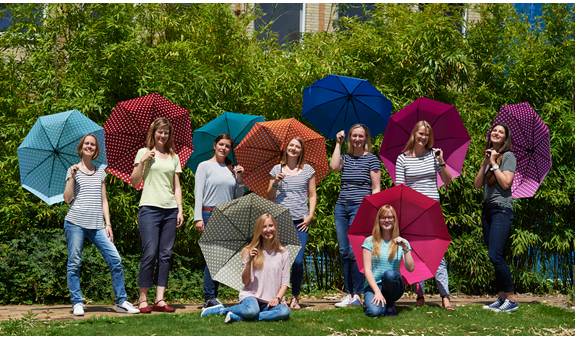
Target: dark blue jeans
210,286
391,288
352,277
496,222
297,267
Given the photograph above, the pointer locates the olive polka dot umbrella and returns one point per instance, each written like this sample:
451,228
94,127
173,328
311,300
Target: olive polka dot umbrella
262,148
127,128
231,228
50,148
531,147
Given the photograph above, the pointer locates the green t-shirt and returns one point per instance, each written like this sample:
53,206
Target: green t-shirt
159,180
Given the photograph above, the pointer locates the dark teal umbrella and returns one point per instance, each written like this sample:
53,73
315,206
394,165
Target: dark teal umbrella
236,124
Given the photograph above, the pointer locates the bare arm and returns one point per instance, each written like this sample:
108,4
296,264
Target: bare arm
273,185
138,172
279,295
378,298
336,163
407,258
106,211
70,184
375,176
478,182
445,174
304,226
178,196
247,272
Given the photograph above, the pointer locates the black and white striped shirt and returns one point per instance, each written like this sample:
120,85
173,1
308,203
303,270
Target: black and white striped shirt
86,208
419,173
292,191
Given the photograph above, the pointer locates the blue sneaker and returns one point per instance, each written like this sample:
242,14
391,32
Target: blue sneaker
507,306
212,310
494,305
390,311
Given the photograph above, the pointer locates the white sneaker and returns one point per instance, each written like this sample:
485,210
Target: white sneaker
79,309
345,302
126,307
356,301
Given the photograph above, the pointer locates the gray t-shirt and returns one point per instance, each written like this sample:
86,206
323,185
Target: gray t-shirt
215,184
495,194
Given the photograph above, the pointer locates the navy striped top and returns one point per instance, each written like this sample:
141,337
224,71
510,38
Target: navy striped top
355,177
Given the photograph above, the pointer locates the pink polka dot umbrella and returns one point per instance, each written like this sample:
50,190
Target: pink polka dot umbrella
127,127
531,147
262,148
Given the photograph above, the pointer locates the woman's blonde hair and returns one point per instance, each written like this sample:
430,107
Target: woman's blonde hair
411,143
367,146
257,241
300,159
151,141
376,232
80,150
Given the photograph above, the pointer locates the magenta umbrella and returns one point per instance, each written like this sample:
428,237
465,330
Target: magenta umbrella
449,133
421,223
531,147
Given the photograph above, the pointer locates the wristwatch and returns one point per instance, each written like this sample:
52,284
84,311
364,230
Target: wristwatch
495,167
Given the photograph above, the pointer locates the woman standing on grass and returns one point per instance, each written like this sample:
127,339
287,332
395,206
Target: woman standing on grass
160,211
417,167
382,254
265,274
361,176
496,176
217,182
89,217
290,184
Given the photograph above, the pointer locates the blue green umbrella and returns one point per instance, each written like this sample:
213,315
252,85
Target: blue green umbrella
50,148
236,124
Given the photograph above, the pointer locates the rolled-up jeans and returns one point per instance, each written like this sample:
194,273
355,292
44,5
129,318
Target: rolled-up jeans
496,222
441,280
75,236
391,288
250,309
352,277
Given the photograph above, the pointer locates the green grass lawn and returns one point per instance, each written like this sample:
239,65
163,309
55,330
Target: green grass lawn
530,319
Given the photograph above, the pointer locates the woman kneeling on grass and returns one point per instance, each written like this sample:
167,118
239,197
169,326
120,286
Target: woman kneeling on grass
383,283
265,274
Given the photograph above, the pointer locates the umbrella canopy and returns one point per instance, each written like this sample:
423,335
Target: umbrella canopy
262,148
448,131
127,127
231,228
421,223
50,148
236,124
336,103
531,147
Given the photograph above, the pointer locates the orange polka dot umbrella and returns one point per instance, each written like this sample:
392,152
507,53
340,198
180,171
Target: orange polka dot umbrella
262,148
127,128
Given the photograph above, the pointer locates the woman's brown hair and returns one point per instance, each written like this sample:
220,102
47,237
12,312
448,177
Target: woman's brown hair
257,241
81,152
226,136
151,141
507,146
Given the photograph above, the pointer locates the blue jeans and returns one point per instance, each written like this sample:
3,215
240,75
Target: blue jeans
391,288
210,286
75,240
496,222
352,277
441,280
297,267
250,309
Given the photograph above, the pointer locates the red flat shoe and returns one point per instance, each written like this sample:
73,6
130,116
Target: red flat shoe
145,310
164,308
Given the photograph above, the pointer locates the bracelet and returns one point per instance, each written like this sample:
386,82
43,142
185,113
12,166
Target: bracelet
279,299
275,186
442,164
182,204
108,225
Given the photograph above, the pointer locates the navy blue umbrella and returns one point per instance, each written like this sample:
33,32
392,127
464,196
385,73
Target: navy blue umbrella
336,103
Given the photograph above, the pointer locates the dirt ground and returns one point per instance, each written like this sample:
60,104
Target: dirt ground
62,312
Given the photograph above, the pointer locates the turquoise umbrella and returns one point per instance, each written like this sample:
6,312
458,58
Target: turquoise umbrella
49,150
236,124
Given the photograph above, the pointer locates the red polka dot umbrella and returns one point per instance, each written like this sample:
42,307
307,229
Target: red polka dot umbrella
127,127
531,147
262,148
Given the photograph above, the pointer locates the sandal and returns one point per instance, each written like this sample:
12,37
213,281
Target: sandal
418,299
450,307
145,310
164,308
294,304
283,301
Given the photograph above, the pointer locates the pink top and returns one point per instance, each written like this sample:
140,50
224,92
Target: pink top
266,282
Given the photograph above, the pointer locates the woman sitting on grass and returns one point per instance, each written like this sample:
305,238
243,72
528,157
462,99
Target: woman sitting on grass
265,274
381,258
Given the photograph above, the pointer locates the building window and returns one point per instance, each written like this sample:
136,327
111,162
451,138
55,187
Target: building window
285,20
360,10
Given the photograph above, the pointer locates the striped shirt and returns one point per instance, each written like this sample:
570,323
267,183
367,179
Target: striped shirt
292,191
419,173
159,180
382,264
86,208
355,177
